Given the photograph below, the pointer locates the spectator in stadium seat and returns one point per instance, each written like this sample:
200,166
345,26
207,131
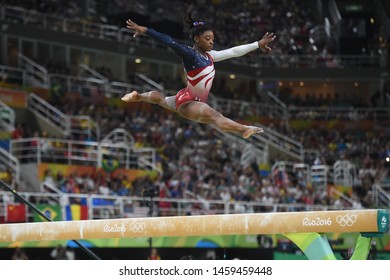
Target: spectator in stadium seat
17,133
198,61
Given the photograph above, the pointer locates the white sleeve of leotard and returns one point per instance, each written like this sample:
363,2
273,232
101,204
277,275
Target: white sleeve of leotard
233,52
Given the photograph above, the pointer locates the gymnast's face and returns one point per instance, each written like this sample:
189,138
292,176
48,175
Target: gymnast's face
205,41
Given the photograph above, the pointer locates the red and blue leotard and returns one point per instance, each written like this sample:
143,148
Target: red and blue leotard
199,68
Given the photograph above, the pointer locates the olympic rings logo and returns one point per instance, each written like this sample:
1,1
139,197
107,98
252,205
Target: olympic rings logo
137,227
346,220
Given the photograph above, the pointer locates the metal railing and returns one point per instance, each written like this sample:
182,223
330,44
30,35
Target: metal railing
119,135
381,195
92,87
49,113
36,74
252,151
7,117
89,71
68,125
120,141
282,142
118,89
10,162
319,176
310,155
240,108
277,102
13,75
344,173
52,150
87,87
84,126
346,200
342,113
149,83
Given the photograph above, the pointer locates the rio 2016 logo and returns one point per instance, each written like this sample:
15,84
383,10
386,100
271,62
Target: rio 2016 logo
114,228
307,222
134,227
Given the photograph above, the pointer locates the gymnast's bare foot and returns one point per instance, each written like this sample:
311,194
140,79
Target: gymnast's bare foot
131,97
252,130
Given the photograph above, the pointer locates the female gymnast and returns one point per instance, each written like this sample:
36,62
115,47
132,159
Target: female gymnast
198,62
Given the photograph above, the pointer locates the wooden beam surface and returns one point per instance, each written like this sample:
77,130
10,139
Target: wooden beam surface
234,224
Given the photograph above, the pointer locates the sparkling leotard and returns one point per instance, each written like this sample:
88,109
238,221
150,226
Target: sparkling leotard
199,68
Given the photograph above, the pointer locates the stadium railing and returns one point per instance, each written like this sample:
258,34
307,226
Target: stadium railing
343,113
9,162
7,117
49,113
13,75
62,151
36,74
75,125
381,195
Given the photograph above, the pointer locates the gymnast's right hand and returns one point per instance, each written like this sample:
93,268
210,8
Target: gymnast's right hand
139,30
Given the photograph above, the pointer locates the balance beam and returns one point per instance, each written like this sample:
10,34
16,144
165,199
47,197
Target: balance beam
234,224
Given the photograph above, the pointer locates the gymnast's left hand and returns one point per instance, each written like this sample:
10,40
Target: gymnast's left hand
267,39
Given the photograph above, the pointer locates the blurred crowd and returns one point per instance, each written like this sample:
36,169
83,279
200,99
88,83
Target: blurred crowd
195,161
298,24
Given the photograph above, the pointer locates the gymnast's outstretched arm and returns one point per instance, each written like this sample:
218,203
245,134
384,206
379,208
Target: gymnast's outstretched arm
244,49
181,49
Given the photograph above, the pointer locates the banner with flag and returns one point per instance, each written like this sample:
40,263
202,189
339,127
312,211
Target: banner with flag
75,212
110,165
16,213
51,211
